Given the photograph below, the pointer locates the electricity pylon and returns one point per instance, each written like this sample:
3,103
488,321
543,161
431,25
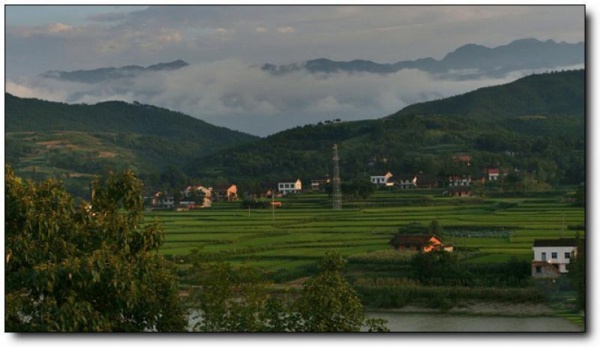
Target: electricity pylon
337,191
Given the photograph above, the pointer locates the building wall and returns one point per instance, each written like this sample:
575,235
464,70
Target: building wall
289,187
561,255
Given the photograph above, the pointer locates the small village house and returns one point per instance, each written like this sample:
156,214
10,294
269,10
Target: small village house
406,182
419,243
289,186
455,181
198,196
382,180
493,174
551,257
225,193
161,200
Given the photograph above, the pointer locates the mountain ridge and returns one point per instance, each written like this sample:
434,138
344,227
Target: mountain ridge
110,73
490,62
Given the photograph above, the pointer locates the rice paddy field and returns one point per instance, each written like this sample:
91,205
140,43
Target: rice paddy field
298,234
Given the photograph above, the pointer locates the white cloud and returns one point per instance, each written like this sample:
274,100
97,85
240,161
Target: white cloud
169,35
232,94
59,27
260,29
285,30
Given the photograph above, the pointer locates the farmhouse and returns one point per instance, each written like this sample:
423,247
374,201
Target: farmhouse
419,243
289,186
382,180
197,195
406,182
551,257
160,200
493,174
456,181
225,193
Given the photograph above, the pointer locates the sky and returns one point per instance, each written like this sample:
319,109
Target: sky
225,45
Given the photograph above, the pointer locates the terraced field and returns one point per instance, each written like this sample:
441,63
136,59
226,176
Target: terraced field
306,227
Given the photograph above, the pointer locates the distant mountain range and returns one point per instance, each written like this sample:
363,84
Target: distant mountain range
467,62
111,73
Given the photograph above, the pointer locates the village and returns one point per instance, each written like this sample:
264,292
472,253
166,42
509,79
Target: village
551,257
199,196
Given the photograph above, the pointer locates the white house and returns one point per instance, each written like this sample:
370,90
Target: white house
160,200
459,181
406,182
493,174
551,257
382,180
290,186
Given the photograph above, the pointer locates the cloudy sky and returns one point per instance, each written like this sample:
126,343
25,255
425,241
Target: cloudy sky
225,44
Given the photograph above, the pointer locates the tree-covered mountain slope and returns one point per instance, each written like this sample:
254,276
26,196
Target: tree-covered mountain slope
534,125
557,94
70,141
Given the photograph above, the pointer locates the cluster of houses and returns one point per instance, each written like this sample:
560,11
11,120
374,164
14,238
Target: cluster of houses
194,197
457,185
551,257
202,197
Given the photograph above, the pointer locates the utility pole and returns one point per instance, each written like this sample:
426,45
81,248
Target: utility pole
273,205
336,189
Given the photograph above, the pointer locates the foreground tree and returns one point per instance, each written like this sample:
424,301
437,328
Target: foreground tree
328,303
228,299
235,299
91,268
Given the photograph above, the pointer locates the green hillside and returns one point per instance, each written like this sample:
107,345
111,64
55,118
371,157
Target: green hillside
535,125
74,142
557,93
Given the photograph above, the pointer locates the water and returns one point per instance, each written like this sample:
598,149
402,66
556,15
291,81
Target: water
437,322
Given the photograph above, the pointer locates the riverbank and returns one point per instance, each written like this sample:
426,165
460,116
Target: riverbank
479,308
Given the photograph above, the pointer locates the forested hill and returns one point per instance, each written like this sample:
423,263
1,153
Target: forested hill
535,125
557,93
75,142
115,116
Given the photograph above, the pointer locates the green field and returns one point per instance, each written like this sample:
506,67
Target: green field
298,234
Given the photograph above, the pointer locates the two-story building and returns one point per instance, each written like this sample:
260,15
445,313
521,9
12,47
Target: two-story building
406,182
225,192
459,181
382,180
551,257
289,186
